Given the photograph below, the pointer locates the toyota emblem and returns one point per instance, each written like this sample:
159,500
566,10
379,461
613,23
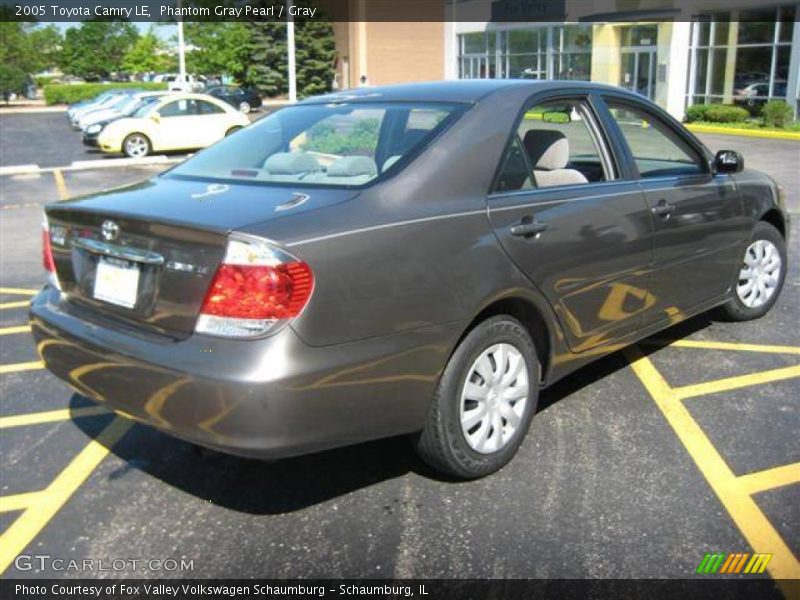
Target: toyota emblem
110,230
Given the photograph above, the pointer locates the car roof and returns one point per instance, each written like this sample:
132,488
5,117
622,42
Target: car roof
462,90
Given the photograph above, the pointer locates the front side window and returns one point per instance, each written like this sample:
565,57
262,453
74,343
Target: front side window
342,144
656,149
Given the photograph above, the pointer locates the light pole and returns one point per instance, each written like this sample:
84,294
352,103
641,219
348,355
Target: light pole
290,50
181,53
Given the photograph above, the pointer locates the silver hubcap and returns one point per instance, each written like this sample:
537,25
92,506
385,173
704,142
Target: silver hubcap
494,398
244,107
136,146
760,274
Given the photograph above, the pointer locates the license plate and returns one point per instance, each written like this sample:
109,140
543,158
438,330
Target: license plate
117,282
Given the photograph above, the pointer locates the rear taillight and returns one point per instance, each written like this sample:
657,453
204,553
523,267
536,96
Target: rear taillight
257,288
47,250
48,262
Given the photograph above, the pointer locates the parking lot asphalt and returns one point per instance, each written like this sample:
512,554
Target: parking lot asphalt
635,467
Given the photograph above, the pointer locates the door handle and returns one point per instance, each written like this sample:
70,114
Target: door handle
663,208
528,228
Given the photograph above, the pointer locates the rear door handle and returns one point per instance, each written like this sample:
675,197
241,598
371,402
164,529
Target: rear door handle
530,229
663,208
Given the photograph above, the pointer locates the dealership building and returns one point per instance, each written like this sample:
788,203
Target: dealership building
675,52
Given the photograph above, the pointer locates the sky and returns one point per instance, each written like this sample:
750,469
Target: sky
165,32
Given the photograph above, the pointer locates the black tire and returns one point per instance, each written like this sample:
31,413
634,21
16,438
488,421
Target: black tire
442,444
735,309
146,145
232,130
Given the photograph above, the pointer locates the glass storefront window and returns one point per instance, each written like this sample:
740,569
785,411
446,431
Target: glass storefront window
640,35
744,61
786,23
543,52
474,43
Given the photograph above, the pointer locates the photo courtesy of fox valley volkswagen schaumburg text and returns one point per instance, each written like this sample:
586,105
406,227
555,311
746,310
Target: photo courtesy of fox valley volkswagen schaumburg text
487,298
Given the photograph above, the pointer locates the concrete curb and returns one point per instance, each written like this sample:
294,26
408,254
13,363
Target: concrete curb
754,133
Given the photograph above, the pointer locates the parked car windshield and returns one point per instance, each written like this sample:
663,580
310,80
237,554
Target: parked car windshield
134,108
342,144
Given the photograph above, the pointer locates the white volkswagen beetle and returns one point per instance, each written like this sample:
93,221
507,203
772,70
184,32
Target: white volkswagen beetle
176,122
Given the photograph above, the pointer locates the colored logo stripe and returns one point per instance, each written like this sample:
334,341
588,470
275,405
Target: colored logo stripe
733,563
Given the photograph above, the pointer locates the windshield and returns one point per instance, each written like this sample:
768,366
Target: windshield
143,109
331,144
134,107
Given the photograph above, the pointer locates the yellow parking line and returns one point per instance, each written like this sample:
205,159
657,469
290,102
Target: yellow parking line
61,185
753,524
733,383
25,366
19,304
768,349
12,330
28,525
761,481
18,291
51,416
19,501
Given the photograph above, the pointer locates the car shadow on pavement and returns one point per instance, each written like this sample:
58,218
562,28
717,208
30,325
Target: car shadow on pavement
284,486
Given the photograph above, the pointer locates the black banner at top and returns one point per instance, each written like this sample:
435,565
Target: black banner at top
502,11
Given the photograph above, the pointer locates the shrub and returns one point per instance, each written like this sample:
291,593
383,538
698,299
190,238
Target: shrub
12,81
777,113
725,113
697,112
69,94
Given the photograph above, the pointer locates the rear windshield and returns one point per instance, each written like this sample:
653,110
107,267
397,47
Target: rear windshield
327,145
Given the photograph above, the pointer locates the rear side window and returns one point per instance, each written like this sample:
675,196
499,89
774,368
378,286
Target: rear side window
206,108
561,146
341,144
179,108
657,150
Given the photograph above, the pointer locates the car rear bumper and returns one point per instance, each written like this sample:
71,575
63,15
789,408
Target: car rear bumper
268,398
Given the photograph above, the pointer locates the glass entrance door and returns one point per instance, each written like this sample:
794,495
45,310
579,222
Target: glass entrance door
638,70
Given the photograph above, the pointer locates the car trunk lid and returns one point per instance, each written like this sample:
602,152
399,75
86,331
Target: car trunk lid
145,255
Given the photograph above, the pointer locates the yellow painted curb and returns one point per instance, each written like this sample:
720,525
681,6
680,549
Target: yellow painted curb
756,133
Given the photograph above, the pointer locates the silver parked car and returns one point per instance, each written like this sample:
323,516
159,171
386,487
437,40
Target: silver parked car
416,259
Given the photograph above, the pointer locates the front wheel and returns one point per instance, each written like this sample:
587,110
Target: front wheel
136,145
485,401
244,107
759,281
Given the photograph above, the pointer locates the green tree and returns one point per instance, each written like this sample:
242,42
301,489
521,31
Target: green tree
47,43
146,54
315,53
96,48
12,81
217,48
16,49
267,53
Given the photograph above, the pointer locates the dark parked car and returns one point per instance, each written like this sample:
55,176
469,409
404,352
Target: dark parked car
417,259
244,99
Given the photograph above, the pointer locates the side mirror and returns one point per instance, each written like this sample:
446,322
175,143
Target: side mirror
155,117
728,161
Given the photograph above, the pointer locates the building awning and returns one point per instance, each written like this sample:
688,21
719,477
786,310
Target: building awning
632,16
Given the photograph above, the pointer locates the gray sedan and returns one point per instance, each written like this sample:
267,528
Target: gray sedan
416,259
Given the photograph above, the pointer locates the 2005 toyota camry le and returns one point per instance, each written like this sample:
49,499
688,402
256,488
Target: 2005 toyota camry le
415,259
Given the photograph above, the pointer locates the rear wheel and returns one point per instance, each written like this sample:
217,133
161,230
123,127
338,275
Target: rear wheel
760,278
484,403
136,145
244,107
232,130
